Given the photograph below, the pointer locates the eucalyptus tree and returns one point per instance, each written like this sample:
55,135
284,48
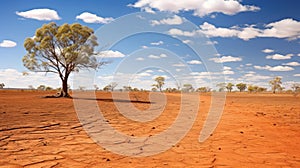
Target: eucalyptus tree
62,50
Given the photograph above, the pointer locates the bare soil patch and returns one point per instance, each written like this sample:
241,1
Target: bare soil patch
256,130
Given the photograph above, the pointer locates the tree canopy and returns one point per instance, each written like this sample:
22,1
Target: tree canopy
241,86
62,50
276,84
229,86
160,81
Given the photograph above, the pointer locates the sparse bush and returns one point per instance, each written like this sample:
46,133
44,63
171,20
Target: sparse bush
127,88
203,89
41,87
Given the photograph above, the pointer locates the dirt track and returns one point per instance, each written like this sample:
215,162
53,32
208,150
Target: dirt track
255,131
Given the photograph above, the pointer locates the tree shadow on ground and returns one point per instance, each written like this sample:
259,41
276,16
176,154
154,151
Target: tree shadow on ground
116,100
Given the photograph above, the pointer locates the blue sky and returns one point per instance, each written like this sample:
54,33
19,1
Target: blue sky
255,40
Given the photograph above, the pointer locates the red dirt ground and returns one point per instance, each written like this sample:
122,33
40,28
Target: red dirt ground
256,130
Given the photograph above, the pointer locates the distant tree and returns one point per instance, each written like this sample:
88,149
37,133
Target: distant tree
61,50
255,88
41,87
135,89
261,89
2,85
188,88
178,85
110,87
160,81
221,86
48,88
81,88
127,88
107,88
296,87
281,89
241,86
275,84
24,73
251,88
96,87
203,89
229,87
154,89
113,85
169,90
30,87
175,90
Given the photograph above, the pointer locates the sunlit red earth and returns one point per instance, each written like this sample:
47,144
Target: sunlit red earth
256,130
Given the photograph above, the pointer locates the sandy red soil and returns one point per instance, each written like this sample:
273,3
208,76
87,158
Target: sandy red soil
256,130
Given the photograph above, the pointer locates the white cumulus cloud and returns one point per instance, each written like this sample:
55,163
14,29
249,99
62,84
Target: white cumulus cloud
111,54
157,43
226,59
267,50
275,68
40,14
140,59
292,64
179,65
175,20
178,32
93,18
199,7
279,56
286,28
157,56
8,43
194,62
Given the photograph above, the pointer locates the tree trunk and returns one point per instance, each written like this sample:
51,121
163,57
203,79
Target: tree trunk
64,90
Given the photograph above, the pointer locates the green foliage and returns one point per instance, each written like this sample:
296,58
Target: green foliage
48,88
188,88
203,89
110,87
154,89
62,50
106,88
241,86
127,88
252,88
171,90
276,84
160,81
229,87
